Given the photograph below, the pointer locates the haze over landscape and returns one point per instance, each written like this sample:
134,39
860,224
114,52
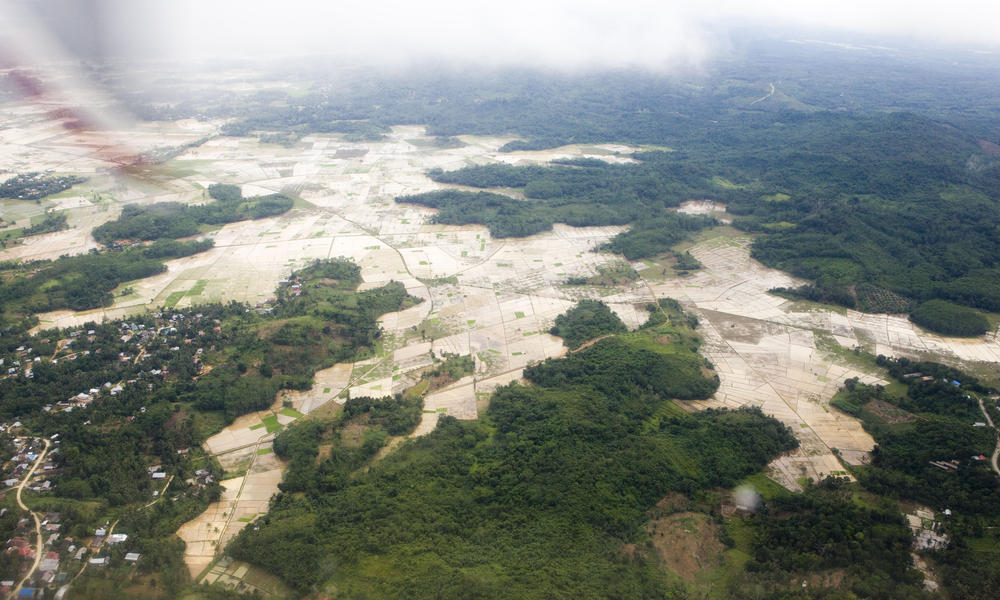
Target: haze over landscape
499,300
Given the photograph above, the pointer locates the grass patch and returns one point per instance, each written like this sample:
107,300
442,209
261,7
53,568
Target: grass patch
765,486
857,358
291,412
988,545
270,423
198,288
173,299
417,390
264,451
208,423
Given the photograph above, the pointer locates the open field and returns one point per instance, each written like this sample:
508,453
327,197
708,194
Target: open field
790,359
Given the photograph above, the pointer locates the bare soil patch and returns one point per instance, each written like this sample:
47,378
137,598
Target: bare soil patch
673,501
352,435
738,328
324,451
893,415
686,543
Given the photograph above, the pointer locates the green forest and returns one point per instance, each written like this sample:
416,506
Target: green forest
950,319
840,542
882,211
932,422
35,186
579,193
531,501
586,321
82,282
172,220
201,367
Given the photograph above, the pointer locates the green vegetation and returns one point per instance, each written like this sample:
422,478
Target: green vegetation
649,237
397,416
35,186
452,368
52,221
950,319
863,551
686,262
173,220
150,390
318,321
578,193
824,294
632,359
505,216
931,423
927,452
82,282
616,273
588,320
534,500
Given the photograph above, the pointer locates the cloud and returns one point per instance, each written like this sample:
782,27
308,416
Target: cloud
568,34
558,33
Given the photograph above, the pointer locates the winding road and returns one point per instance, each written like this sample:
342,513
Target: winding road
769,94
38,521
996,451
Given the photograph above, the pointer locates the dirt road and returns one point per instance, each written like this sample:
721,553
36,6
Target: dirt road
996,451
38,521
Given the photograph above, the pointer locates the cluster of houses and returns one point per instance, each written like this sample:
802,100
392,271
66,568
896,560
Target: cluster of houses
927,530
136,335
294,289
62,557
24,452
265,307
22,362
202,478
58,552
920,376
37,184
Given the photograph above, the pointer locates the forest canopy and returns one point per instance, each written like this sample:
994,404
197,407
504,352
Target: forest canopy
174,220
554,478
950,319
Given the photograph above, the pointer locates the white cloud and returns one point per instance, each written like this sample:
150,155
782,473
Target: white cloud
549,33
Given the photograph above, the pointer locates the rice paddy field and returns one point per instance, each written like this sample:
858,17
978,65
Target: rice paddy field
495,299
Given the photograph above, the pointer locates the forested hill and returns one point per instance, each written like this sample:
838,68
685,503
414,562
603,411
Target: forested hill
883,211
873,171
535,500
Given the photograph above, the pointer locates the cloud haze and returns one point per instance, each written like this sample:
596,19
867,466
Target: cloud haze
550,33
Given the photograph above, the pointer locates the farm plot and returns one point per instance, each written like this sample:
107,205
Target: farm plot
789,359
493,299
